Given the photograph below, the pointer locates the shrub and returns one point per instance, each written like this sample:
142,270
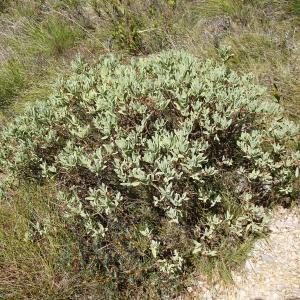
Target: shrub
139,26
156,161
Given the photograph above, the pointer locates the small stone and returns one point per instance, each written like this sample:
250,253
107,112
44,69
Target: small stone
275,296
242,294
190,289
267,258
248,266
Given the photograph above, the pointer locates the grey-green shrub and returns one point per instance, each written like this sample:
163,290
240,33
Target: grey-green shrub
156,160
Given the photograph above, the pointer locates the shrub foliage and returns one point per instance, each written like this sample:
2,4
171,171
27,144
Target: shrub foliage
156,160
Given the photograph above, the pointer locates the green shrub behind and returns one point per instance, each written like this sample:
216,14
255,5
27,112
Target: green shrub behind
156,160
139,26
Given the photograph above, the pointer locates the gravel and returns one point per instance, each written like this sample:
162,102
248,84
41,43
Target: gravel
272,271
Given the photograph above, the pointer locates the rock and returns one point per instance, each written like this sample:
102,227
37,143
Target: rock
248,266
267,258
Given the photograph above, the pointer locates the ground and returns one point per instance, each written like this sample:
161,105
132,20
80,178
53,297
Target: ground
272,271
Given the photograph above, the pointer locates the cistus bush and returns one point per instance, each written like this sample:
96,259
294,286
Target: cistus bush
156,160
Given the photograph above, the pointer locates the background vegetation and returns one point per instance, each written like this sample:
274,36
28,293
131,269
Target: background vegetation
39,39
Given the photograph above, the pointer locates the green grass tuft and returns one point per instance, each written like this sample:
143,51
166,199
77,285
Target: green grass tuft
12,79
295,6
53,36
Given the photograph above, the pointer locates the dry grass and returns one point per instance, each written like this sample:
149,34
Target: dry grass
265,40
263,35
34,41
36,263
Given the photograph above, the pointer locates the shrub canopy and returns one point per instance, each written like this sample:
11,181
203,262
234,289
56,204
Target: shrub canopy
156,160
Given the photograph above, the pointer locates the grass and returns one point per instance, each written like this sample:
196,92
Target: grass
295,7
34,50
53,37
263,40
29,265
39,41
219,269
213,8
33,264
12,79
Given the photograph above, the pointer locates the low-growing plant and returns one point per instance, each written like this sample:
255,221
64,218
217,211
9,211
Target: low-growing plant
295,5
12,78
156,162
53,36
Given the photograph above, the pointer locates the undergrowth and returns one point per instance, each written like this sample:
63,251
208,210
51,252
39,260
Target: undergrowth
35,267
35,46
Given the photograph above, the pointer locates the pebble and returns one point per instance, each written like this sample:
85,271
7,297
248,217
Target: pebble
267,258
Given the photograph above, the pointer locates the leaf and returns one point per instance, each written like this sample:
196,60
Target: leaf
154,248
134,183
